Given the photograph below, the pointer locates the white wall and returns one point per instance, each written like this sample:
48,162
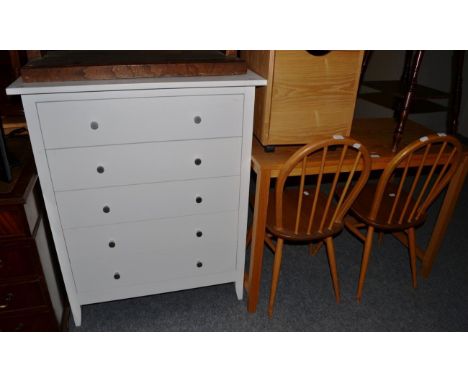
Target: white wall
435,72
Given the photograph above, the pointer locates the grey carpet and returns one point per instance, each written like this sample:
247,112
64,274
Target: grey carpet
305,300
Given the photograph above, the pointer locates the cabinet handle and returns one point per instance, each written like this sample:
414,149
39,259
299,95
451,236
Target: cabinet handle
199,233
197,119
199,264
197,162
116,275
112,243
94,125
7,300
1,263
100,169
106,209
198,199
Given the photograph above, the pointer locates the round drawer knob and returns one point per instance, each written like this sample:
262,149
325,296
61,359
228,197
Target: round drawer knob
100,169
94,125
1,263
198,199
112,244
199,234
197,119
198,161
116,275
106,209
199,264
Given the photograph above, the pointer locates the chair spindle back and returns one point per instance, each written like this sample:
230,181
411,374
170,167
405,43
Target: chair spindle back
414,195
339,156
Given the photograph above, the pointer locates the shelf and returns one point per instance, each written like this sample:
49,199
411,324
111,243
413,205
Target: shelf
394,88
390,101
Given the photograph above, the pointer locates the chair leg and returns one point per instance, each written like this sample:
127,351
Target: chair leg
353,226
248,238
381,235
412,253
276,271
315,248
365,261
333,271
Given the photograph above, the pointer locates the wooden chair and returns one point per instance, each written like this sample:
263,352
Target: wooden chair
398,202
309,213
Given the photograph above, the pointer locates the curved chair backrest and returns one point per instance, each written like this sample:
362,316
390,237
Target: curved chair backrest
413,195
343,158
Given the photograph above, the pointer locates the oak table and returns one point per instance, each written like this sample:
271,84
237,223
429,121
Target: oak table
376,135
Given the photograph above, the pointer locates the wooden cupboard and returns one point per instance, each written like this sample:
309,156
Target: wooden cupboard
310,94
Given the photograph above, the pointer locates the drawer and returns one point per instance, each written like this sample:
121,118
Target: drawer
132,120
91,167
18,259
19,296
33,322
152,251
147,201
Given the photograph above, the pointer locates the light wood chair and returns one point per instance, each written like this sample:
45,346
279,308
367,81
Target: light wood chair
309,213
399,201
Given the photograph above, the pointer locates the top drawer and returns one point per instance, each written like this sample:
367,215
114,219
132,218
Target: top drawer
132,120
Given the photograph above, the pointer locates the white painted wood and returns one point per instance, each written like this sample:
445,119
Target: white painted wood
156,246
76,168
50,203
43,248
157,286
31,211
132,120
161,250
147,201
244,187
248,79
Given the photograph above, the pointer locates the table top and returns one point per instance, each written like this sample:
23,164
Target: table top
374,133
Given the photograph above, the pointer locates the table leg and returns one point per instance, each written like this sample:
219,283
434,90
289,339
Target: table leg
262,190
443,219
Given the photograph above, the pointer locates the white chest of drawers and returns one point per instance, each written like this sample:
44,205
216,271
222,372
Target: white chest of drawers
145,181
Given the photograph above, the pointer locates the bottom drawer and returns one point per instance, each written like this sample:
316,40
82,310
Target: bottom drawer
35,322
147,252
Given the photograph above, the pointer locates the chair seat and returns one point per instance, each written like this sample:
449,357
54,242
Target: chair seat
290,201
363,204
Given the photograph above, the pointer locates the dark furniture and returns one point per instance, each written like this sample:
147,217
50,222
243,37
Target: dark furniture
406,96
30,289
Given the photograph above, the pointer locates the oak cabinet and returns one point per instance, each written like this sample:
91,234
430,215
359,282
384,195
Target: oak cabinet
309,95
